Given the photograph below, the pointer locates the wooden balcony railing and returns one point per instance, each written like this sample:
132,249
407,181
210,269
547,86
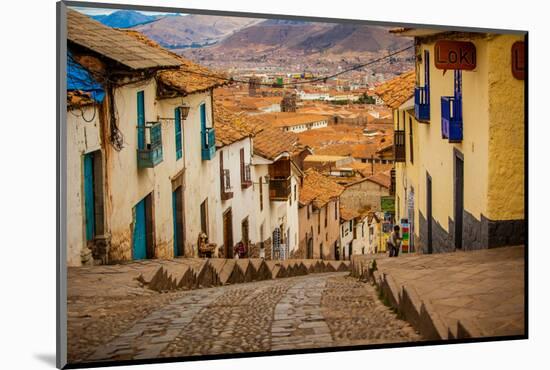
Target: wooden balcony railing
399,145
279,189
422,103
151,153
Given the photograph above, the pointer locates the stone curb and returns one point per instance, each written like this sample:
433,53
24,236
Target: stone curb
406,300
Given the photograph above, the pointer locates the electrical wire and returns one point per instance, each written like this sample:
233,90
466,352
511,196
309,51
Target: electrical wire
318,79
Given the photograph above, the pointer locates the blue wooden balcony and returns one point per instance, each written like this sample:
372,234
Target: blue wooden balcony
422,103
150,153
208,140
451,118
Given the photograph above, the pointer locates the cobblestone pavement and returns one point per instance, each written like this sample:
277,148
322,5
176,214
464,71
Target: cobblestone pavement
319,310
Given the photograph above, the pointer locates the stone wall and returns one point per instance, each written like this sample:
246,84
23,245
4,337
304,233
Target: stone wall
476,234
301,252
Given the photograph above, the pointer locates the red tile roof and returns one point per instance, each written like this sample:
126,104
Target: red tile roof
318,188
397,90
189,78
229,127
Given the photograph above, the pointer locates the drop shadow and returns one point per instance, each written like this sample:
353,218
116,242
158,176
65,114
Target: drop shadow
47,358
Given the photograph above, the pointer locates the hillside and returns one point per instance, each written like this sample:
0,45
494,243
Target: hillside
278,38
192,30
124,18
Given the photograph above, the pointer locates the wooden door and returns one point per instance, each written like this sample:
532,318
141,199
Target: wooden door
228,233
459,200
429,211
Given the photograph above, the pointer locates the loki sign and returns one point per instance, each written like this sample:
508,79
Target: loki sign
518,60
455,55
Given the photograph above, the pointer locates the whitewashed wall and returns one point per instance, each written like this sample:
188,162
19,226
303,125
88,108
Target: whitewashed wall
82,137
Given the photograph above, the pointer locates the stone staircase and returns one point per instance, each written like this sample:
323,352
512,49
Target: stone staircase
189,273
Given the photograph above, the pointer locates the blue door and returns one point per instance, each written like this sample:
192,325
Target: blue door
139,247
89,205
141,120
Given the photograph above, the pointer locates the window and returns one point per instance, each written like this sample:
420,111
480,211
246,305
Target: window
336,210
177,128
261,194
308,211
326,215
319,222
411,149
294,192
371,233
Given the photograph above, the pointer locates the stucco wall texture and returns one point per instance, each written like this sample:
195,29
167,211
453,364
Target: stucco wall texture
506,191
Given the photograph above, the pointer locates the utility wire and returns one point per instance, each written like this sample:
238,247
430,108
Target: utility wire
324,79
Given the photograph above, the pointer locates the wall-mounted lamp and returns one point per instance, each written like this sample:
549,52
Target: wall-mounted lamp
184,111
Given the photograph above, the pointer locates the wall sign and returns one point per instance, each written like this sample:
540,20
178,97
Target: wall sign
518,60
455,55
387,204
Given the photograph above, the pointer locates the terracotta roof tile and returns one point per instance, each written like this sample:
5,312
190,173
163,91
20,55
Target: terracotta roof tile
189,78
229,127
397,90
318,188
115,45
348,214
381,178
271,142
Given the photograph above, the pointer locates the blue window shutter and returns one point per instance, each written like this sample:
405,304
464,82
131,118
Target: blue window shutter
141,119
203,116
179,151
203,125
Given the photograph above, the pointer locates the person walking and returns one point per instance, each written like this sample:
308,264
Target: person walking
394,242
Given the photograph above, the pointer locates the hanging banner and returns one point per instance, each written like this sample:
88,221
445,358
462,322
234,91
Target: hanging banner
518,60
455,55
405,235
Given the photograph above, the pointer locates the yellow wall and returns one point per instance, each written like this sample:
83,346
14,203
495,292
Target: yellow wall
506,192
493,163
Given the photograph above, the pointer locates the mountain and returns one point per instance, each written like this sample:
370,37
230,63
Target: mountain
271,34
350,37
192,30
275,36
124,18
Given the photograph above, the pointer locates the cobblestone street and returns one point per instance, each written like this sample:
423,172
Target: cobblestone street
317,310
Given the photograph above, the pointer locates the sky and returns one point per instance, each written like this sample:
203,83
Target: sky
98,11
